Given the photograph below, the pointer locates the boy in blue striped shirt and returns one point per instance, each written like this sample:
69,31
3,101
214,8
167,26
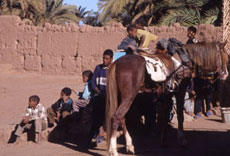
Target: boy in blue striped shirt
98,83
98,80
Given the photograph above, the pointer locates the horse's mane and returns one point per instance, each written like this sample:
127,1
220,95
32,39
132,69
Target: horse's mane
207,55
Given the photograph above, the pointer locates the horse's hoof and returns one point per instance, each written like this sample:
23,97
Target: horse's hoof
113,152
130,149
183,142
181,139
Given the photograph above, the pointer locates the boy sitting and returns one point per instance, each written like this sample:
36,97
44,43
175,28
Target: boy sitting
143,35
85,96
62,108
129,44
35,115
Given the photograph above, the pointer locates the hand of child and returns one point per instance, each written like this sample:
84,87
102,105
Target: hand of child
98,92
26,119
132,47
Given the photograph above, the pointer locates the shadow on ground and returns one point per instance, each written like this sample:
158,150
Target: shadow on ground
30,135
201,143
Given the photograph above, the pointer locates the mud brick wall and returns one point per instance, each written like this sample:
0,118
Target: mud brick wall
70,49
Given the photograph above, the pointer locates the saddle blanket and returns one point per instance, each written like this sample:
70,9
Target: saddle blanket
157,69
118,54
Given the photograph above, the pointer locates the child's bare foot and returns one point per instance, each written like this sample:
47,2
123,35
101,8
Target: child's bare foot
38,138
190,113
17,141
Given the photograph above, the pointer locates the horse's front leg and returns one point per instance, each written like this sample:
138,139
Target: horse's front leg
128,139
180,111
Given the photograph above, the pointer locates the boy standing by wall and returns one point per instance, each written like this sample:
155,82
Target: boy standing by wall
98,80
98,83
191,33
203,88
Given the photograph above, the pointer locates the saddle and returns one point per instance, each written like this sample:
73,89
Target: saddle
164,58
159,67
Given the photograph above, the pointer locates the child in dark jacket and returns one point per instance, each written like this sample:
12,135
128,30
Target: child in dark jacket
62,108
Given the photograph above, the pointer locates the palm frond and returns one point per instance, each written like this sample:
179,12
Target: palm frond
185,17
81,12
211,15
196,3
112,8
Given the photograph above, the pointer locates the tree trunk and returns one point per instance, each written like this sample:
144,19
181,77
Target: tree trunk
226,24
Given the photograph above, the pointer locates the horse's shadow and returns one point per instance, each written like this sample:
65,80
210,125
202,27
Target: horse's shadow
200,143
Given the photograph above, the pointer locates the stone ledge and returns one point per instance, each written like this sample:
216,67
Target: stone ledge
6,134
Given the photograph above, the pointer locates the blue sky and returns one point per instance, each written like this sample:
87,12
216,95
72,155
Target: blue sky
89,4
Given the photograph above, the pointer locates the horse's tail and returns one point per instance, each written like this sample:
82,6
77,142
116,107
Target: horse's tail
111,100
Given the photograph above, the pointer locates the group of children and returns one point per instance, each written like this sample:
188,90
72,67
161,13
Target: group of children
94,87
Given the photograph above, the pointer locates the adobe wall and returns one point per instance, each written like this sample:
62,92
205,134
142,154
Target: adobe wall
69,49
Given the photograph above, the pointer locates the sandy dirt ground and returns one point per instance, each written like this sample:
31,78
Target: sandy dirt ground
206,136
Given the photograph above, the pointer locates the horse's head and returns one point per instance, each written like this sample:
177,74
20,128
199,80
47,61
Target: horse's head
208,58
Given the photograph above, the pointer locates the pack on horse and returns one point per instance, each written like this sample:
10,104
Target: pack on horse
127,75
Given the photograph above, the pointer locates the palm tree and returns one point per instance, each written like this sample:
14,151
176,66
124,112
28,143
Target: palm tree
57,13
183,16
189,12
226,24
112,10
81,12
40,11
211,16
26,9
92,19
161,12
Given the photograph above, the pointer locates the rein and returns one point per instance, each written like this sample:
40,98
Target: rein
169,77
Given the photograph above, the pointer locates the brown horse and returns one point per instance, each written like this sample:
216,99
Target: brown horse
127,75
